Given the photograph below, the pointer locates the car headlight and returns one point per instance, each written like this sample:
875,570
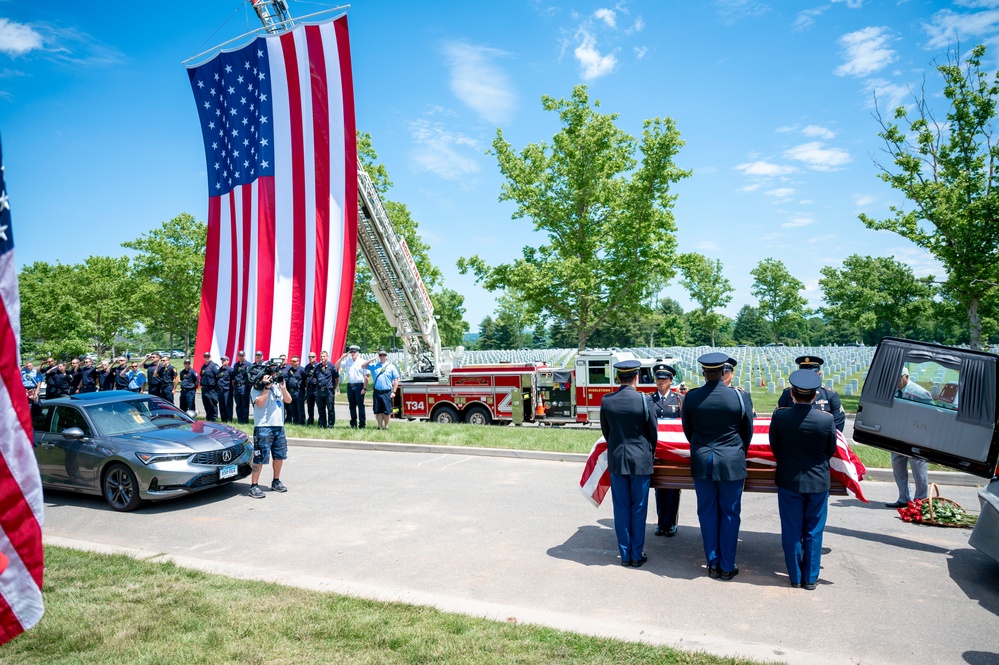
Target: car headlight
152,458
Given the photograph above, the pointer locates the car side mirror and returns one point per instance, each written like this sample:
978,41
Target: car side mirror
192,414
74,433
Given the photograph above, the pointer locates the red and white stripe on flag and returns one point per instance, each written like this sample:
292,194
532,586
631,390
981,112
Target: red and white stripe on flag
672,447
280,253
20,485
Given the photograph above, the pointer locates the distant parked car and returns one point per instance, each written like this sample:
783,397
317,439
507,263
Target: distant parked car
129,447
176,353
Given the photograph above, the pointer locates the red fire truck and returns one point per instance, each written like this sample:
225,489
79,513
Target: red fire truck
521,393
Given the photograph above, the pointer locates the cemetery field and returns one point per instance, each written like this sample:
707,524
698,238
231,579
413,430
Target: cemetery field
111,609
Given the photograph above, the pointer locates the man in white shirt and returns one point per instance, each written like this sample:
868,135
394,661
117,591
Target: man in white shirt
268,433
355,372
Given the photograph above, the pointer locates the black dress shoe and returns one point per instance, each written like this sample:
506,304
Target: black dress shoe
726,575
640,562
660,531
795,586
625,563
810,586
671,531
897,504
713,569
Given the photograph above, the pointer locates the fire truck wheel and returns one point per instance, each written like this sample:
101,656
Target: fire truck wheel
478,415
445,414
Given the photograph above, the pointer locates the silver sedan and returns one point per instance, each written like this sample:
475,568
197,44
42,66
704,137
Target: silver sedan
130,447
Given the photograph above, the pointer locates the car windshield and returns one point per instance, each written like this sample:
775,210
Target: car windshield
132,416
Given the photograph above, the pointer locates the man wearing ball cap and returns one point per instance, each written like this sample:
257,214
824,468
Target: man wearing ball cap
718,423
629,426
803,439
825,399
667,405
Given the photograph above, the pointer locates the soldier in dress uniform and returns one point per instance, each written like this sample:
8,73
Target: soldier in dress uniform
825,399
666,405
803,439
241,388
224,385
629,426
208,378
718,424
188,387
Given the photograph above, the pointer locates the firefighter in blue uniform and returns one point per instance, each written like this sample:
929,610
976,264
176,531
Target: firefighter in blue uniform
718,424
224,386
241,388
825,399
208,378
803,440
188,387
630,428
168,375
666,405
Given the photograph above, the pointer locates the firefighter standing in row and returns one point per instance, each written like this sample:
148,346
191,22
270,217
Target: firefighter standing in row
667,405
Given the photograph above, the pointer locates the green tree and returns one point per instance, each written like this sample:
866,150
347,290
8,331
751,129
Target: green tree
708,287
949,169
607,215
168,268
877,295
106,292
52,320
449,308
750,327
673,329
487,335
778,293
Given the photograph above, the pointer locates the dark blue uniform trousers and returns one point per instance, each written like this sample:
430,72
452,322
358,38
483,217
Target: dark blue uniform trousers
802,520
667,507
631,509
719,510
355,400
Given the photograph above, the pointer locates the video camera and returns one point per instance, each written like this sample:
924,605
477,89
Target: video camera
273,368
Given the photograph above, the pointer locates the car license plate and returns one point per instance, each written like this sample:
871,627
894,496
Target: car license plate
228,471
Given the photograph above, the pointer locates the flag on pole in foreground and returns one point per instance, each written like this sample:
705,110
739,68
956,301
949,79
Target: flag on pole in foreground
277,117
672,447
20,486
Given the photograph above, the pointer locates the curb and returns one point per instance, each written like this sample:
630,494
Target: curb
877,475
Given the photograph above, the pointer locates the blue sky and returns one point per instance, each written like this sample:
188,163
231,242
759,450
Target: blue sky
774,101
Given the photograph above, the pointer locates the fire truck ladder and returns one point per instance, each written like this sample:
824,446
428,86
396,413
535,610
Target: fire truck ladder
396,282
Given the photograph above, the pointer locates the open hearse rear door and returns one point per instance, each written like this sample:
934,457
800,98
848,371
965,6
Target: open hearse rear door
933,402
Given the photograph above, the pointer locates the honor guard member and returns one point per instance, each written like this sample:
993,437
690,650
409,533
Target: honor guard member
208,378
718,423
154,382
224,386
666,405
188,386
308,394
825,399
105,377
241,388
355,371
294,377
85,380
169,375
630,428
121,374
327,381
57,382
803,439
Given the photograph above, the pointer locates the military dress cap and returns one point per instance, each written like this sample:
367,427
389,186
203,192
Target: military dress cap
664,372
353,347
627,365
383,352
717,360
808,362
805,380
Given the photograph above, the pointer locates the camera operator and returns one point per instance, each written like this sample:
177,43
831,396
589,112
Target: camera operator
269,394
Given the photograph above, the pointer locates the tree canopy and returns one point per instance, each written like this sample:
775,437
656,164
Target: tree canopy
948,169
778,292
708,287
603,200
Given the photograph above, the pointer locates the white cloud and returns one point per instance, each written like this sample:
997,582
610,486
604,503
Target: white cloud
640,52
707,246
780,192
762,168
947,27
637,26
751,187
18,38
977,4
442,152
798,221
807,17
479,83
889,95
864,200
852,4
593,63
731,11
866,52
819,132
817,157
825,238
607,16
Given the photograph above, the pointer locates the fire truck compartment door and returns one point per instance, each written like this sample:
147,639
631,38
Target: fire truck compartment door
933,402
517,405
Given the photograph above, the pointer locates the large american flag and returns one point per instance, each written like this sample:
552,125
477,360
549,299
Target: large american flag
20,486
672,447
277,116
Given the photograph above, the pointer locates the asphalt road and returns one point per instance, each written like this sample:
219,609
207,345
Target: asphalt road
514,539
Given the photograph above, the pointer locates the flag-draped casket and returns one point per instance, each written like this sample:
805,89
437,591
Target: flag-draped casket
277,117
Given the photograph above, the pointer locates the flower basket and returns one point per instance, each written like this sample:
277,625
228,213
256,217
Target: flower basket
937,511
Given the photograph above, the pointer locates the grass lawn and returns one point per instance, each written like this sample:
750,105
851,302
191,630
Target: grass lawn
110,609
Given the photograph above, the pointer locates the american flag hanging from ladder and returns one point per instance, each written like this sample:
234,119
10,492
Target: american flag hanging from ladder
277,117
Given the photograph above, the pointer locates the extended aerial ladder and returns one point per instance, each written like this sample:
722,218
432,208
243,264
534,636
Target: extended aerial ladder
396,281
